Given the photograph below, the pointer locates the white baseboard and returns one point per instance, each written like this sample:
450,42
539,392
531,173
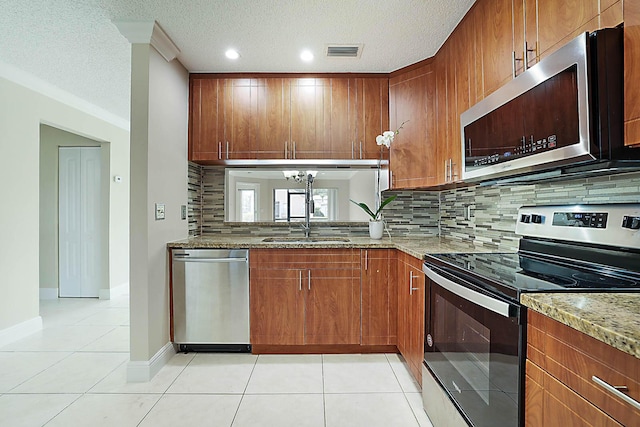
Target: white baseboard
21,330
48,293
114,292
143,371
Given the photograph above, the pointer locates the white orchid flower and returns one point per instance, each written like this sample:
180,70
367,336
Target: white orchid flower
387,136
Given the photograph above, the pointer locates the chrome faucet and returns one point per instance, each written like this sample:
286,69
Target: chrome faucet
309,206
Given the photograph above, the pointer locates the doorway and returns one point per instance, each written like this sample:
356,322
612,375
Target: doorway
79,222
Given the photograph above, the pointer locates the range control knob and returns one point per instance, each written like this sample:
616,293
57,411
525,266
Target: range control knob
631,222
537,219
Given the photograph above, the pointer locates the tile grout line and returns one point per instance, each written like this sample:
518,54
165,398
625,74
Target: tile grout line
244,391
324,398
404,393
164,393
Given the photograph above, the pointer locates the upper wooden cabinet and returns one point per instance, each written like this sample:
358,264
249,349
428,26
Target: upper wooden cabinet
273,118
631,72
284,117
494,29
206,125
412,100
371,117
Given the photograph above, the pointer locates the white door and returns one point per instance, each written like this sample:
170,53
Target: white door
79,221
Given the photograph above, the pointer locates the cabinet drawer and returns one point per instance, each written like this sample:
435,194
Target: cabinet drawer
574,358
305,258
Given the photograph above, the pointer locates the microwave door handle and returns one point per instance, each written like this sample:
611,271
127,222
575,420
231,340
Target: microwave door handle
495,305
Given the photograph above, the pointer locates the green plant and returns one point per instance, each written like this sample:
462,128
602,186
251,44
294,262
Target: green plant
375,216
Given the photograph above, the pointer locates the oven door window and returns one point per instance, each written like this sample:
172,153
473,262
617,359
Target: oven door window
474,355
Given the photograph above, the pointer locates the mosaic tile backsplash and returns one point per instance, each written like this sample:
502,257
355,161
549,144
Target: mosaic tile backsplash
491,223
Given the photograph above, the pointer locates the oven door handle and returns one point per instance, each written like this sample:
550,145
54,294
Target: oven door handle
495,305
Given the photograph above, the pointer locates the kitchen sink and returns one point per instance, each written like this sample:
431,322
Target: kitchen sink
301,240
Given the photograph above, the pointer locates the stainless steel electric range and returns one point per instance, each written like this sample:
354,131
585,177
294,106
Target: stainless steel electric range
475,327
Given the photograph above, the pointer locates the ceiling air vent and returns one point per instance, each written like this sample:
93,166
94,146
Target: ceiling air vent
344,50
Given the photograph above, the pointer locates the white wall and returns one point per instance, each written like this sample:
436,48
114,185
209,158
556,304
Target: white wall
22,111
159,117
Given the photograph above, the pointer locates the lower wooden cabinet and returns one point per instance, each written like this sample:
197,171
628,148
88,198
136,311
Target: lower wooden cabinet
411,308
560,388
305,296
379,296
549,402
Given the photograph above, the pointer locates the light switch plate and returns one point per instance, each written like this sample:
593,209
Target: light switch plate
183,211
159,211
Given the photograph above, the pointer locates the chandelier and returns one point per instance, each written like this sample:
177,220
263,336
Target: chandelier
298,176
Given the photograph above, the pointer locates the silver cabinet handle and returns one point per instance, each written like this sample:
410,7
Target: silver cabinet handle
445,170
219,150
526,54
411,288
294,149
616,391
513,64
360,150
286,149
366,260
227,150
495,305
309,276
300,280
352,151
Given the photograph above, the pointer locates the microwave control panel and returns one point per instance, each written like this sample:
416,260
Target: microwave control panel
527,147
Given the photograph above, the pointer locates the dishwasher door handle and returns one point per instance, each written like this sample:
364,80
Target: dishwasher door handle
189,259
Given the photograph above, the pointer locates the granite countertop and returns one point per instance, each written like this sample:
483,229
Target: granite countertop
613,318
416,247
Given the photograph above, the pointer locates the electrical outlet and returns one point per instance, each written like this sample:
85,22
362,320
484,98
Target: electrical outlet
183,211
159,211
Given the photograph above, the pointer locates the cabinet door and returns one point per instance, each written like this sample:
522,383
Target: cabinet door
416,319
379,297
342,135
442,118
412,100
310,117
411,306
332,303
403,304
372,117
240,113
206,127
273,118
631,72
276,307
549,402
496,41
559,21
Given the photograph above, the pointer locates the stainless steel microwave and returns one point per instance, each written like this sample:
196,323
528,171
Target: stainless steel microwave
565,110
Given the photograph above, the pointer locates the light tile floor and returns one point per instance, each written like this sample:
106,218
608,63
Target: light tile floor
73,373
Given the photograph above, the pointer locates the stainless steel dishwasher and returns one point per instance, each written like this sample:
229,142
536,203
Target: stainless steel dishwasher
211,299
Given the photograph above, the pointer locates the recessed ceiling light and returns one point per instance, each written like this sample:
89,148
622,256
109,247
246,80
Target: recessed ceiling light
306,55
232,54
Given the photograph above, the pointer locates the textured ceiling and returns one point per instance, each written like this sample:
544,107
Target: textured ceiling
73,44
